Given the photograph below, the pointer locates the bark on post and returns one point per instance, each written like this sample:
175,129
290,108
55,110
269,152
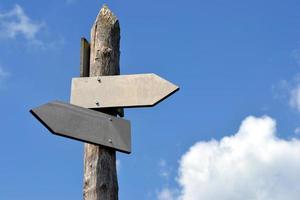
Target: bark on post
100,174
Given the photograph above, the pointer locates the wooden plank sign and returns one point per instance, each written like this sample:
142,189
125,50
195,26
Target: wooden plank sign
85,125
140,90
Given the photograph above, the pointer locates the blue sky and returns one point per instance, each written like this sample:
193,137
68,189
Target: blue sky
232,60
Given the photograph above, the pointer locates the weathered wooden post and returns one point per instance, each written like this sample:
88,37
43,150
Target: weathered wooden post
100,174
96,99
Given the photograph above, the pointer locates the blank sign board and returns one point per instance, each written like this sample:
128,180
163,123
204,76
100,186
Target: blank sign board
85,125
140,90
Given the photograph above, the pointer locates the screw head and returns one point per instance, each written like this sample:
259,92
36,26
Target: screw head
97,103
99,79
110,141
110,119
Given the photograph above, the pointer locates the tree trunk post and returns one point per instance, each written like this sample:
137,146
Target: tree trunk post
100,173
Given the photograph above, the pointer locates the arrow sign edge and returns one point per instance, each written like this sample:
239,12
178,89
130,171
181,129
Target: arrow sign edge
33,112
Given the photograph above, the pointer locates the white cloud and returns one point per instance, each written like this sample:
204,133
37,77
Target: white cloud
15,22
165,170
253,164
166,194
295,97
289,91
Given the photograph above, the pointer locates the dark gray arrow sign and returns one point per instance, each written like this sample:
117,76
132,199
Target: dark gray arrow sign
85,125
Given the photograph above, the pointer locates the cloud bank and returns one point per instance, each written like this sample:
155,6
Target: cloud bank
15,22
253,164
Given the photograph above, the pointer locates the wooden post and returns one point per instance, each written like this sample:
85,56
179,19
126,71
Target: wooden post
84,58
100,174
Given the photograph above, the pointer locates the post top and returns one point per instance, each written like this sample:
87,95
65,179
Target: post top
106,15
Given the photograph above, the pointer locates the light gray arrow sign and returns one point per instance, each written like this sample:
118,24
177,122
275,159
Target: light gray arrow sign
85,125
140,90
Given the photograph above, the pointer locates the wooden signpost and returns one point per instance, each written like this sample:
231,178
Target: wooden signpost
102,89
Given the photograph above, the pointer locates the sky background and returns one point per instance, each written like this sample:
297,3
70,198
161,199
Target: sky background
232,129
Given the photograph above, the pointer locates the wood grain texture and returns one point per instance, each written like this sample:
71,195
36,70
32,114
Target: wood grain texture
100,173
84,57
105,44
